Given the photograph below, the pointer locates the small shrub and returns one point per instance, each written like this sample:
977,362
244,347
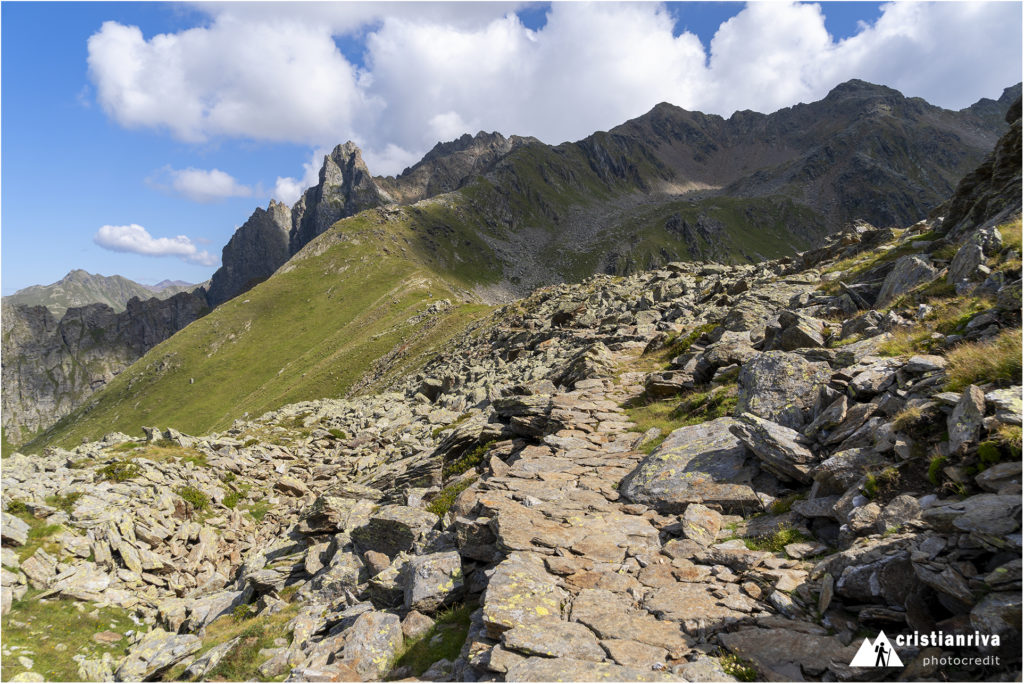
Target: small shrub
241,613
228,477
337,433
195,497
468,460
742,670
458,421
252,441
442,641
996,360
197,459
119,471
17,507
446,497
231,499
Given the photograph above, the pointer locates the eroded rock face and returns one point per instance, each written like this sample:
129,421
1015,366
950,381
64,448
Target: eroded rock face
257,249
50,366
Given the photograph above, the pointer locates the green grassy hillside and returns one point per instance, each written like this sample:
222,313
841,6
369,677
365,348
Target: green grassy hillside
310,331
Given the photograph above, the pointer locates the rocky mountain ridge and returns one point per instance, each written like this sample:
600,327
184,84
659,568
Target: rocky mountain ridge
702,472
514,214
81,288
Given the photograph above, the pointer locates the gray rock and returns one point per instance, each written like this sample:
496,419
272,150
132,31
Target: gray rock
157,651
1007,403
701,524
788,654
1000,475
779,448
909,272
372,644
14,529
521,592
433,581
695,464
393,529
209,660
554,639
781,387
964,424
538,669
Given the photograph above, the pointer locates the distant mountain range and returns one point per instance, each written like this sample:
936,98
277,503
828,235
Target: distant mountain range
80,288
365,277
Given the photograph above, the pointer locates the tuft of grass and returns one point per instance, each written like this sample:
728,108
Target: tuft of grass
452,626
17,507
935,467
119,471
231,499
695,408
64,502
259,510
252,441
1011,234
446,497
470,459
785,504
878,483
681,344
337,433
124,447
908,418
199,501
776,541
256,633
995,360
242,613
52,631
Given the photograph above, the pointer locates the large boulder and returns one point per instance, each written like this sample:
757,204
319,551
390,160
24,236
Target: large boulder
781,387
155,652
372,643
394,529
909,272
703,464
780,449
433,580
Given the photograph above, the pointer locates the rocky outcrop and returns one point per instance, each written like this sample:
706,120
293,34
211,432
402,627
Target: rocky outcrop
992,192
50,366
449,165
258,248
345,188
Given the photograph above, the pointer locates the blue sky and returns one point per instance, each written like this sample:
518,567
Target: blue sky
130,137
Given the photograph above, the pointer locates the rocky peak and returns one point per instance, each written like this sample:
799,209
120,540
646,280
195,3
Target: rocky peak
345,188
449,165
254,252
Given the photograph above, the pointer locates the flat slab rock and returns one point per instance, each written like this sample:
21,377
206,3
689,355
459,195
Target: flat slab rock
570,670
788,654
520,592
157,651
703,464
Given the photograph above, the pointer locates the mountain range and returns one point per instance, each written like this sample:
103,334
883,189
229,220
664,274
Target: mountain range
364,277
80,288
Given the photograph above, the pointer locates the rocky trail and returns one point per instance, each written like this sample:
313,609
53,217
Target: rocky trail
697,473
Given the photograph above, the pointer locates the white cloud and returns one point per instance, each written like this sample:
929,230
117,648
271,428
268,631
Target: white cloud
136,240
288,189
200,185
267,71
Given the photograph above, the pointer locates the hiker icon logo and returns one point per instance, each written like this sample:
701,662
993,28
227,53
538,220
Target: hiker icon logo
878,654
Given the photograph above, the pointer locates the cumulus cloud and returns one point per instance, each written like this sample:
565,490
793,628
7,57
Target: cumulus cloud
135,239
200,185
265,71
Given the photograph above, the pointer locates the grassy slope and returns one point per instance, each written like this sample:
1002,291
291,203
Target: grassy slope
315,327
308,332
